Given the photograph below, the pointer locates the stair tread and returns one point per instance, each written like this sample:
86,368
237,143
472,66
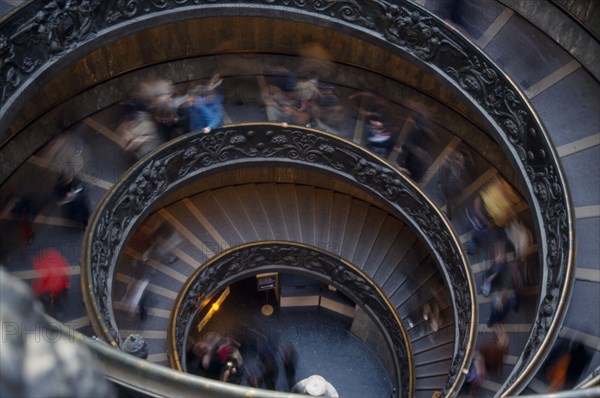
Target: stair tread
255,210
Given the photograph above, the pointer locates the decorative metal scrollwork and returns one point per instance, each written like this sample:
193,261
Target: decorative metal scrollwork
190,156
41,33
240,262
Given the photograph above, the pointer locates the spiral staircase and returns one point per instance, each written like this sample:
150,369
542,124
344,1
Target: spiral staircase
550,67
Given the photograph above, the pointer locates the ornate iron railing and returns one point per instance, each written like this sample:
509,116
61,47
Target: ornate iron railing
42,37
190,157
253,258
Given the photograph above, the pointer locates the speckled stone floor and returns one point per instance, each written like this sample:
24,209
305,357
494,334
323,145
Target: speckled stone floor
322,339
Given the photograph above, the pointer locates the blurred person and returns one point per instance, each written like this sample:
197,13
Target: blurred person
139,134
227,350
159,98
135,297
71,195
159,240
494,270
499,200
232,373
503,302
455,175
53,277
371,106
65,155
565,364
155,90
165,113
205,106
145,95
379,138
414,158
521,240
494,351
328,112
270,368
306,90
25,208
254,374
230,360
432,315
475,374
492,207
289,358
315,386
204,350
279,107
280,77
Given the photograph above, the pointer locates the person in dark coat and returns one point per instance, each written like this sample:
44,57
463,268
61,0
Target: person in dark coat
414,157
70,194
289,357
502,304
379,138
269,363
25,210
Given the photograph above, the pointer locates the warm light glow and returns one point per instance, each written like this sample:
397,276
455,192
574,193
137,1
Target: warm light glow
214,308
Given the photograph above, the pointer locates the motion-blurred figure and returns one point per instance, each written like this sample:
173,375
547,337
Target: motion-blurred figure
289,357
267,358
414,157
454,176
278,104
432,315
494,206
521,240
71,195
65,155
493,351
475,374
139,134
53,277
158,240
328,112
566,363
502,304
306,91
135,296
497,266
25,208
379,138
205,106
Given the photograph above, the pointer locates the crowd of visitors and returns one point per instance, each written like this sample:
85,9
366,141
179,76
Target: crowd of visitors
159,111
254,361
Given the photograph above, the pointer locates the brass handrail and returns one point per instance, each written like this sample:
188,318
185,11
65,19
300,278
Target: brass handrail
152,380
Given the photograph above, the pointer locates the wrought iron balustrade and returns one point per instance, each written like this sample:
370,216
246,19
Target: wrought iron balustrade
41,37
188,158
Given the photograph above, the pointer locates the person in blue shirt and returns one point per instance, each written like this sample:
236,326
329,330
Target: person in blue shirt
206,112
206,106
